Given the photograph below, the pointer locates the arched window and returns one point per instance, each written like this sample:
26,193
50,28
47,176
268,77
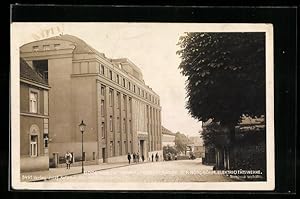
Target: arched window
34,140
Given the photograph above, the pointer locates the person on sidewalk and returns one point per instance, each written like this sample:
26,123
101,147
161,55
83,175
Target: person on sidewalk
68,158
134,157
138,157
152,157
156,157
129,157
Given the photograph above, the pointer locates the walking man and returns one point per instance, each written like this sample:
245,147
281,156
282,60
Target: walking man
129,157
133,155
152,157
156,157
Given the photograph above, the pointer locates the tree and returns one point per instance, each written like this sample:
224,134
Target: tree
225,75
181,141
225,78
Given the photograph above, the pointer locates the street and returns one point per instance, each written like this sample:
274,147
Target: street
167,171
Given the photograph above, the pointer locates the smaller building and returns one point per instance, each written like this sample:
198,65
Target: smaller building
168,137
34,119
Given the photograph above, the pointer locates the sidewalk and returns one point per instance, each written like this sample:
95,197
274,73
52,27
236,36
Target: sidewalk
55,173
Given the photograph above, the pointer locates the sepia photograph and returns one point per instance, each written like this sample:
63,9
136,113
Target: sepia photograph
142,106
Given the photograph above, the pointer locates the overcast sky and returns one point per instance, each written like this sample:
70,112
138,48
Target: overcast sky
152,47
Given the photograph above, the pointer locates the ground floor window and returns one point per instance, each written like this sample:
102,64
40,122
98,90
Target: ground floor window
33,145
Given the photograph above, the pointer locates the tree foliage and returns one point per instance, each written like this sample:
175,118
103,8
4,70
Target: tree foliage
181,141
225,75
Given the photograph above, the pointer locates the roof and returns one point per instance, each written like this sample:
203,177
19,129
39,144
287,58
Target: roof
28,73
166,131
80,45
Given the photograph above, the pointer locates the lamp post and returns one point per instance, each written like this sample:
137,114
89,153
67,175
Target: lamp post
82,127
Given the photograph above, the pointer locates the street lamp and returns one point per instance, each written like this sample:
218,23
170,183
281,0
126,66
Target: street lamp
82,127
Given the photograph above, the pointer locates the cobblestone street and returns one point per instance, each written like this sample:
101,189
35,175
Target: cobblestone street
170,171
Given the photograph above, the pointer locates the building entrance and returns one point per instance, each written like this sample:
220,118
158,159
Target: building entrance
103,154
142,147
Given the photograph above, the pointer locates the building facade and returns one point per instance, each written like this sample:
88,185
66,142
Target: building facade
168,137
122,113
34,119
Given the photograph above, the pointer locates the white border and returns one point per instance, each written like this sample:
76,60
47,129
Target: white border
220,186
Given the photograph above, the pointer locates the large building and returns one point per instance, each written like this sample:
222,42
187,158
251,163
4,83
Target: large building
168,137
34,119
122,113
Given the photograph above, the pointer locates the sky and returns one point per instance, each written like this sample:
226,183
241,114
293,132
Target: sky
152,47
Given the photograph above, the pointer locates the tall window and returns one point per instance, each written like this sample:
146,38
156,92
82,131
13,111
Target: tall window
125,147
139,91
124,102
110,75
130,127
118,99
102,69
103,129
124,126
129,85
102,90
118,79
133,88
33,102
129,104
120,148
33,145
111,123
110,97
102,107
111,148
118,125
124,82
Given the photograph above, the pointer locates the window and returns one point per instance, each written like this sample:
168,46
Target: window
94,156
46,140
146,95
35,48
124,102
46,104
118,125
33,102
124,82
111,123
118,79
102,69
33,145
130,126
56,46
103,129
110,97
102,90
124,126
143,93
129,105
111,148
110,75
102,107
133,88
120,148
125,147
118,99
129,85
46,47
139,91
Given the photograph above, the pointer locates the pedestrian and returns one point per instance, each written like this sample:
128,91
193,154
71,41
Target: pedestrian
143,157
68,158
152,157
138,157
134,157
129,157
156,157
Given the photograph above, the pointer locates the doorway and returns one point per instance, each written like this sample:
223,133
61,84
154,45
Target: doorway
103,154
142,147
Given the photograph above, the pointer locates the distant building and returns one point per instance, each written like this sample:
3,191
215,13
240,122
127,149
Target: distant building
197,146
122,113
34,119
168,137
